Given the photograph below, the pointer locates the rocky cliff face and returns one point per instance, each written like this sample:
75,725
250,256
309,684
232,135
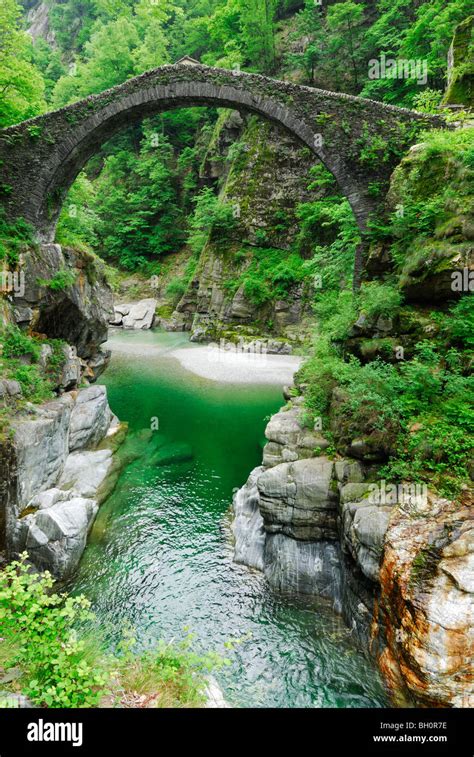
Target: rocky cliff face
436,181
63,293
52,476
427,603
399,571
263,175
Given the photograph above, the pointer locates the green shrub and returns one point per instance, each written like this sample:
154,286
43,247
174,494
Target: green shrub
174,672
18,344
422,409
15,236
61,664
176,288
212,218
34,386
336,313
61,280
377,299
459,326
58,668
257,291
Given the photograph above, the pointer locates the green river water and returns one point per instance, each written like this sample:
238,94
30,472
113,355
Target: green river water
160,554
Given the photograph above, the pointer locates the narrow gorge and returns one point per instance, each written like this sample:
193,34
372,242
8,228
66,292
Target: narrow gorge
236,346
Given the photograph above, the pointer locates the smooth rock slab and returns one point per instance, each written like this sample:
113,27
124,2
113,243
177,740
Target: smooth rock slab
90,418
299,499
85,472
41,447
141,315
298,567
247,526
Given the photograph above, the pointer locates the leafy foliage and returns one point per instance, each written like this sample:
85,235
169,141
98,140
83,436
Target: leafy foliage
212,218
423,406
21,85
63,666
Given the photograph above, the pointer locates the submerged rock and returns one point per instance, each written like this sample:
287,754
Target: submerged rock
169,454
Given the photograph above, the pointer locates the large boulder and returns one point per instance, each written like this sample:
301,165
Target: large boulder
76,307
90,418
299,499
55,537
135,315
9,388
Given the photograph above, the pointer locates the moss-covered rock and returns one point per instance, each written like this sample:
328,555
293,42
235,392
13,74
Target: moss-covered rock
460,89
428,240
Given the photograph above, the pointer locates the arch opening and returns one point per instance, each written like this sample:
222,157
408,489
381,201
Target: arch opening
115,117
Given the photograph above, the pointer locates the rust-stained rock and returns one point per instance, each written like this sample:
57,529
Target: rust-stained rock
427,604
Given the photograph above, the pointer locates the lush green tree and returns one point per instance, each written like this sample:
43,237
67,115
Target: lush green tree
211,218
345,22
258,32
49,62
137,203
21,84
79,219
309,25
72,22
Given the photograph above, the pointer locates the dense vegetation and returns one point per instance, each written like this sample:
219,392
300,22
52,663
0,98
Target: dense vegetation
133,204
56,668
142,197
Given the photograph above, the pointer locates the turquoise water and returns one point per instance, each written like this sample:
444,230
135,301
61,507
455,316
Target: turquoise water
160,555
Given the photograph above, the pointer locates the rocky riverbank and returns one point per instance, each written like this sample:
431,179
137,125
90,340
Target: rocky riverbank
396,565
57,468
57,433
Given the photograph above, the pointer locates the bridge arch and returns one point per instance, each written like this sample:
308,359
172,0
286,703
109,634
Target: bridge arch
41,157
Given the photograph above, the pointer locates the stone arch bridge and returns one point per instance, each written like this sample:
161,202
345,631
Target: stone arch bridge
359,141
